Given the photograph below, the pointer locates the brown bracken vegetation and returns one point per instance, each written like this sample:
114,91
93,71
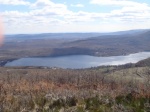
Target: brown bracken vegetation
101,89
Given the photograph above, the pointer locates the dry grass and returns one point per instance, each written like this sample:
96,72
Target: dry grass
44,90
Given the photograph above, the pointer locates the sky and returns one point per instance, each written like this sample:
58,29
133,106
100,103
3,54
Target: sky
53,16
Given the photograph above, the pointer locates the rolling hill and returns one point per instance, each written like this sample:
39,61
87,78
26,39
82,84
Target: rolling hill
112,44
108,44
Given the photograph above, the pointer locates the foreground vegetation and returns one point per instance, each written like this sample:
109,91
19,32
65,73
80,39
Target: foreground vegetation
102,89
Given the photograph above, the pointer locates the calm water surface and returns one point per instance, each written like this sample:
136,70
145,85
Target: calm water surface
79,61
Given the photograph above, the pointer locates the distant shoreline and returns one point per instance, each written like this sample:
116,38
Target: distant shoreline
72,61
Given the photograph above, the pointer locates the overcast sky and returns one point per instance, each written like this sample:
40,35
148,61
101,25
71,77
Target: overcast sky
43,16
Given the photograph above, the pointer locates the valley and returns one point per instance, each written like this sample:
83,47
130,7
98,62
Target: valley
39,45
74,56
106,88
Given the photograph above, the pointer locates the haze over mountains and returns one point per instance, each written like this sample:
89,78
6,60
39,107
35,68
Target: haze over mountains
60,44
115,44
68,35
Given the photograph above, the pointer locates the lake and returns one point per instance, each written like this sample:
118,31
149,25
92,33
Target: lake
79,61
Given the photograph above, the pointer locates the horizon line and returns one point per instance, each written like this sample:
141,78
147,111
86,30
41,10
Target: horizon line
73,32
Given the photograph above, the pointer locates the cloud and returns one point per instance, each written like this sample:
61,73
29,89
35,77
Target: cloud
131,14
117,3
45,14
77,5
47,3
130,11
47,7
14,2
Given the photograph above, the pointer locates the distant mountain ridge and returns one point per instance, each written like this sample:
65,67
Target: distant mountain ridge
68,35
60,44
113,44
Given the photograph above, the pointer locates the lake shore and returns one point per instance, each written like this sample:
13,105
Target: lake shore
78,61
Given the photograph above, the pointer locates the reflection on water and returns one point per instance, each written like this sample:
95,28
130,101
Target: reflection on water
79,61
